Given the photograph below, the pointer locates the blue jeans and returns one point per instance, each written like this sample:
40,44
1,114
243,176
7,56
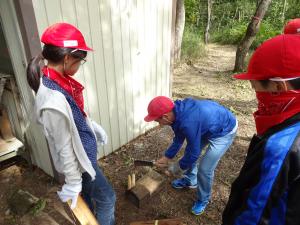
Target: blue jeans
100,196
202,172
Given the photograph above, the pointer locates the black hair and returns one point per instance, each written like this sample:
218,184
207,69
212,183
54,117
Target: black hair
264,83
53,54
295,84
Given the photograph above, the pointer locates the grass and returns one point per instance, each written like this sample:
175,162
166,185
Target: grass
192,44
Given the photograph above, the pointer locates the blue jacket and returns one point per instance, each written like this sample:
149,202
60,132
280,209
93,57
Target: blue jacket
197,121
267,190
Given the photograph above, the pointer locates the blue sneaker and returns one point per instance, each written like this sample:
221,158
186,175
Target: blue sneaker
198,208
182,183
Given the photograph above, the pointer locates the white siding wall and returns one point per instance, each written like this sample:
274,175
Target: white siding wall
131,59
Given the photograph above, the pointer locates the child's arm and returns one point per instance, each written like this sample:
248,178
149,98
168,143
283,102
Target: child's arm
175,146
57,131
100,133
193,147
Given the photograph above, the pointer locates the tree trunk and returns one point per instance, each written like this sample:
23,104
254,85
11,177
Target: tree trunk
249,37
179,28
209,7
283,11
257,3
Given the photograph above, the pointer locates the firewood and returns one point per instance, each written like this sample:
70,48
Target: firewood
147,186
129,184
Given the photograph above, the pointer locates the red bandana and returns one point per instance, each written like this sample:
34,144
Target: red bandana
274,109
73,87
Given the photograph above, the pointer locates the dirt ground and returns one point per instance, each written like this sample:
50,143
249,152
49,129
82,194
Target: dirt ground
206,78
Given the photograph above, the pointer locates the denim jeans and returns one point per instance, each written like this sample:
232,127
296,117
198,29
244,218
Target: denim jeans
100,196
202,172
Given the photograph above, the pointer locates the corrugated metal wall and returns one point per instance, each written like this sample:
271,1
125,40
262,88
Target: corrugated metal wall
131,59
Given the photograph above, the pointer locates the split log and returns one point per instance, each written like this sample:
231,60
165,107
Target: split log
145,187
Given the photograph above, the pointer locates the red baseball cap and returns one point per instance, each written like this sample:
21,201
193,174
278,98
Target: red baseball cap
292,27
64,35
278,57
158,106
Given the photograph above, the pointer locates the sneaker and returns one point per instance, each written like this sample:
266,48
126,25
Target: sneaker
182,183
198,208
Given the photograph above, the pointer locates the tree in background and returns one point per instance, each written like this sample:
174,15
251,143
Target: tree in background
229,21
179,28
209,8
249,37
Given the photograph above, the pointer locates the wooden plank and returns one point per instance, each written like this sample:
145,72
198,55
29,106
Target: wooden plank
81,214
150,55
153,28
5,127
127,68
110,73
7,147
141,65
68,13
40,13
85,74
159,222
134,65
2,85
100,72
159,49
167,49
118,68
145,188
53,9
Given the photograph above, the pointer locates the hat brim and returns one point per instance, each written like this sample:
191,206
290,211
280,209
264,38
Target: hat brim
150,118
86,49
249,76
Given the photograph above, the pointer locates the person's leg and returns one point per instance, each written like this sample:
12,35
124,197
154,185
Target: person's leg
189,178
105,198
207,164
87,187
100,192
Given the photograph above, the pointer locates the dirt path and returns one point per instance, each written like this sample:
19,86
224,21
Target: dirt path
206,78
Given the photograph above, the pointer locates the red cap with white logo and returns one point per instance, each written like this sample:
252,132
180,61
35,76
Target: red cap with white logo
292,27
64,35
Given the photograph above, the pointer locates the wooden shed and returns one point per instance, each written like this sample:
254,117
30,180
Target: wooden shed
130,64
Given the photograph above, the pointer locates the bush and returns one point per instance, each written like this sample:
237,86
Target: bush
266,32
235,33
231,34
192,44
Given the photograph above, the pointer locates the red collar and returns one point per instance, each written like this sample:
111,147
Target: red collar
70,85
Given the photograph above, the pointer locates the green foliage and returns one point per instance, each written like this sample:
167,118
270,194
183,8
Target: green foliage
192,44
192,13
266,31
230,35
235,34
230,19
38,207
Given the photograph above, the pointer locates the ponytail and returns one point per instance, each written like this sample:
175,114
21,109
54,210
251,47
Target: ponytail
34,72
52,54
